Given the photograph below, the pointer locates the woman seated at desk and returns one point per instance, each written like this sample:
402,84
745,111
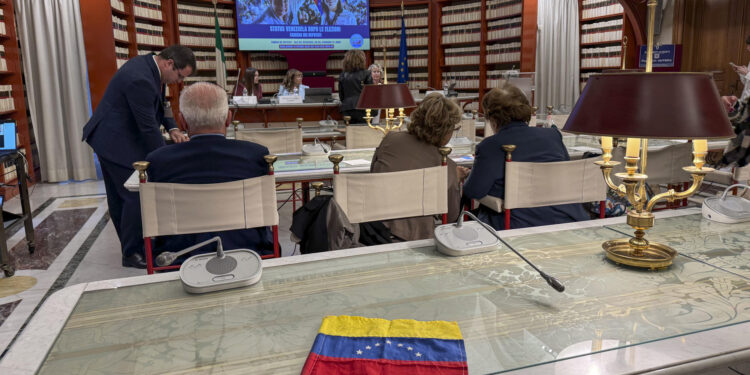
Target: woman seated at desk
292,84
508,112
250,85
432,125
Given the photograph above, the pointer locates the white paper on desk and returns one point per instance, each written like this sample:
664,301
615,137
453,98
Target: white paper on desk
356,162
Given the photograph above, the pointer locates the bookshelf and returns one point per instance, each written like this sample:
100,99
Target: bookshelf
604,28
385,33
12,98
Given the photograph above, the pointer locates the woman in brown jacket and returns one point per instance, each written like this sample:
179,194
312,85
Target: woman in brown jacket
432,125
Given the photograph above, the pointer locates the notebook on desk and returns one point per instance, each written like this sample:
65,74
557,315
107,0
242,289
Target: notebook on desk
7,137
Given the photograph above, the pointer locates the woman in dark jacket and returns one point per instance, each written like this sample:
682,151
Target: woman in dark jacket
508,112
351,81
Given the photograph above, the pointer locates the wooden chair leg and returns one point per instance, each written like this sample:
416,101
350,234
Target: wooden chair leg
294,196
445,218
149,256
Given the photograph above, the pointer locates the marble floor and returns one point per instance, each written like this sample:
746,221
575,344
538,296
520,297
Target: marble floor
75,243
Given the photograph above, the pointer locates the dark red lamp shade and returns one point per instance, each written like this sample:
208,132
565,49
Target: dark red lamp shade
650,105
392,95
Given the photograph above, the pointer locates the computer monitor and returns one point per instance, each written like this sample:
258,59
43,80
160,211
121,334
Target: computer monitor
7,136
317,94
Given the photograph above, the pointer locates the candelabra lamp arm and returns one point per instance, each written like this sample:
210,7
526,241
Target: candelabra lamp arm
620,190
671,195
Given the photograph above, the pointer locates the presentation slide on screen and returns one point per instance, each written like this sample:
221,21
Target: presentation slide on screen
303,24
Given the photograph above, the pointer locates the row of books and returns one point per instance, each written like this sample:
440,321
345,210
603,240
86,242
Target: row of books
392,18
204,15
600,8
497,34
609,51
2,22
8,168
231,80
207,60
149,34
122,55
585,76
3,62
204,37
504,8
461,13
503,53
117,4
6,98
415,58
120,28
147,9
600,26
602,37
601,62
463,80
461,33
269,61
462,55
411,41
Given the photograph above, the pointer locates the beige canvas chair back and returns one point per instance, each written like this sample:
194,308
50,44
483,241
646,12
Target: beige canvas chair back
468,129
362,137
278,141
367,197
742,174
529,184
663,166
168,208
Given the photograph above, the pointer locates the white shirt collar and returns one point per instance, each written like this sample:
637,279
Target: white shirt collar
157,67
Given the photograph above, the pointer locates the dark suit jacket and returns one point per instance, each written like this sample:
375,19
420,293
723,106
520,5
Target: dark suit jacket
209,159
401,151
488,174
125,125
350,86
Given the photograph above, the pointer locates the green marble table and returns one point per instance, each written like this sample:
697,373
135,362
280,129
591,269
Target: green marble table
614,318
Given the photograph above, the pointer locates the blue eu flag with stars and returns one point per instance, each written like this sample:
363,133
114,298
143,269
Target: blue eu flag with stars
403,67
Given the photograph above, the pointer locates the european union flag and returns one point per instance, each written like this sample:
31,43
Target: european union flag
403,66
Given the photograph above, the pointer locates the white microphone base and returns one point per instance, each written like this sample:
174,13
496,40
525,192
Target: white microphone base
471,238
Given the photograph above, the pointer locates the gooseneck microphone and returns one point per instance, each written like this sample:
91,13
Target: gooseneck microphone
168,257
553,282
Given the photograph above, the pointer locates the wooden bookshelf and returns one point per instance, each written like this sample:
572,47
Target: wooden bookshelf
603,29
13,103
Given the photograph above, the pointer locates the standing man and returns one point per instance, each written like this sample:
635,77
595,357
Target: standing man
744,73
125,128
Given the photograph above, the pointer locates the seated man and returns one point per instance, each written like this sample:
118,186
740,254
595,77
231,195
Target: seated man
209,158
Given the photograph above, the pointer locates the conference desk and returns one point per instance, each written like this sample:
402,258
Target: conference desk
267,113
610,319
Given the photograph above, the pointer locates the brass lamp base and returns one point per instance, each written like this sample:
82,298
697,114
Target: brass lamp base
655,256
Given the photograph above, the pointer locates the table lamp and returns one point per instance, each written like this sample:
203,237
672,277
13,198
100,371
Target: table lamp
386,96
639,106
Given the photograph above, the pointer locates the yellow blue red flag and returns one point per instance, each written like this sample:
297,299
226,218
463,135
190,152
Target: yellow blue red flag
358,345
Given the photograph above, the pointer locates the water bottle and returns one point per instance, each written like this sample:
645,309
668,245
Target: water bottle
244,91
296,91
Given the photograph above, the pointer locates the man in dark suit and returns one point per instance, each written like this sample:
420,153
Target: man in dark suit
125,128
209,158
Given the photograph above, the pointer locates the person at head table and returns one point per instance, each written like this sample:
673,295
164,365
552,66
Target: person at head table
209,158
292,84
335,14
251,83
432,124
508,111
376,73
277,13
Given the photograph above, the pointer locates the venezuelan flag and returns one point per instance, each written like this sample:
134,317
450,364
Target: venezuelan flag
357,345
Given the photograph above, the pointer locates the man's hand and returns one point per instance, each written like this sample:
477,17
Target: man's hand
462,172
729,102
177,136
741,70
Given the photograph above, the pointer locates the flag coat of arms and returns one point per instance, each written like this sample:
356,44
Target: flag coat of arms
358,345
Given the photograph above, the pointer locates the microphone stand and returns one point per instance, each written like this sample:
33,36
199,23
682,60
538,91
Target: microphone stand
553,282
168,257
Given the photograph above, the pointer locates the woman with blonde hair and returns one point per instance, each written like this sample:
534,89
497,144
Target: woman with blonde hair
508,111
292,84
432,124
351,81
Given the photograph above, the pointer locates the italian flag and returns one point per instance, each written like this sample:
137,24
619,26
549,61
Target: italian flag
221,61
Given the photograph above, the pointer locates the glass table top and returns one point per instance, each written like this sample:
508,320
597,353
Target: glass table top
508,316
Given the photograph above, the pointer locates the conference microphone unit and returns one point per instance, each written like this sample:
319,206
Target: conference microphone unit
464,239
211,272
